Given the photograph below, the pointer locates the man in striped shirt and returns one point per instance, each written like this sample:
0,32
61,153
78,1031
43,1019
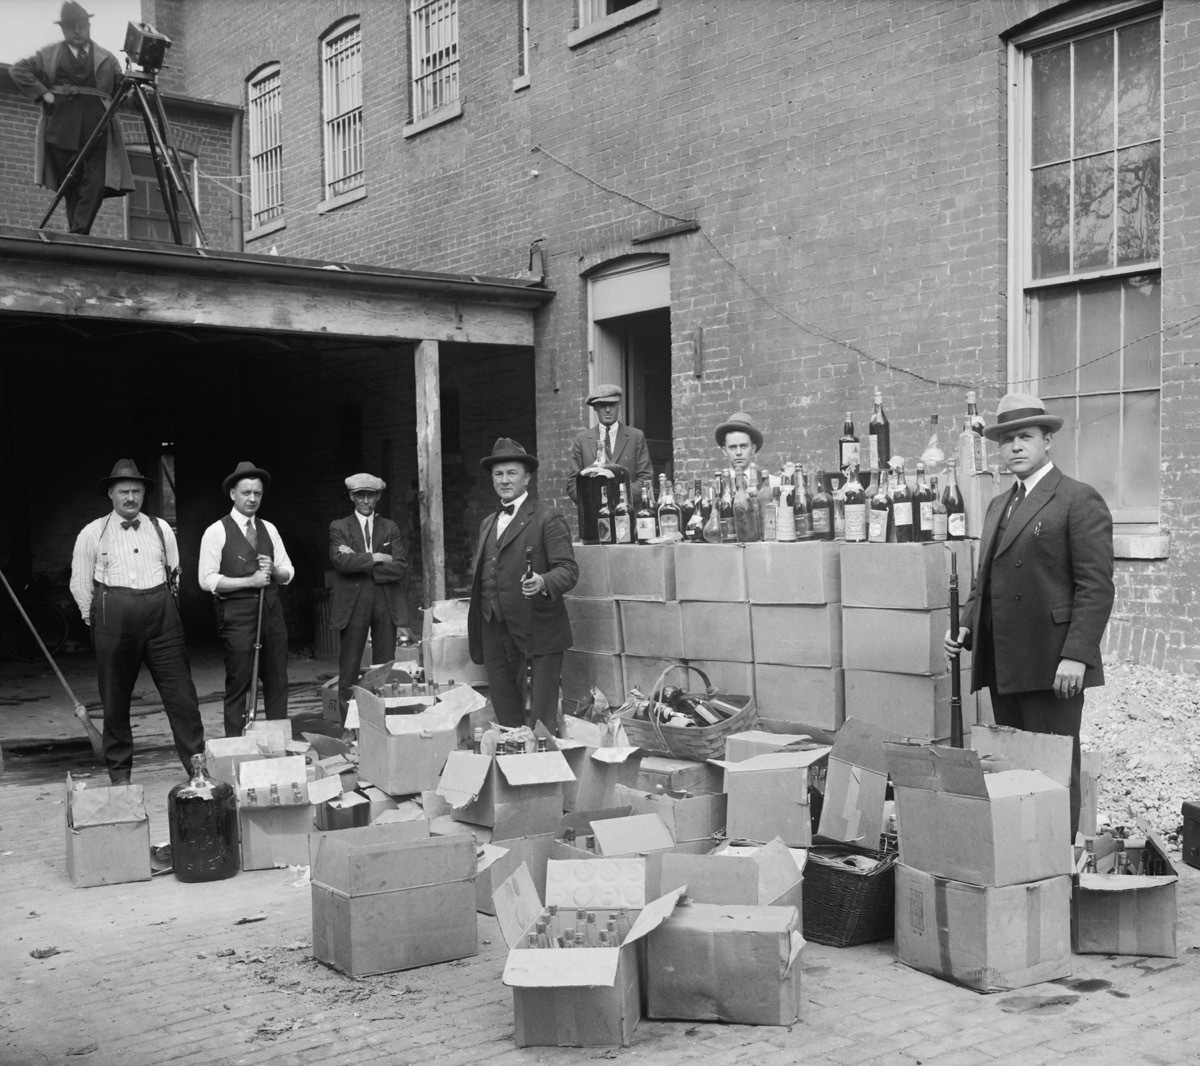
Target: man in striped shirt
120,573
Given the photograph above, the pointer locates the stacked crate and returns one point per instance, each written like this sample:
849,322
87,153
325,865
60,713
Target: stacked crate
644,581
710,582
595,658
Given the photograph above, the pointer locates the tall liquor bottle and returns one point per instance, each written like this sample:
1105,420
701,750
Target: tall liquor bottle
604,519
785,518
644,520
879,513
855,507
622,519
923,501
933,457
802,507
941,523
879,437
668,511
768,508
956,518
712,519
975,421
745,513
728,529
686,502
848,445
693,530
902,507
822,509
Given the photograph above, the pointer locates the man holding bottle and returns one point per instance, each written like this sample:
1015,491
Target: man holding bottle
610,442
1044,587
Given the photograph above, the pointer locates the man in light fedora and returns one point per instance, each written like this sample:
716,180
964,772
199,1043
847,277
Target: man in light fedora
509,613
241,556
370,564
611,441
122,573
1043,590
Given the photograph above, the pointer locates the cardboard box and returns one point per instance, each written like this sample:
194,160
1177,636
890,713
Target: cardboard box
444,648
516,795
493,866
641,672
906,576
652,629
766,876
222,754
711,572
751,742
592,560
768,797
855,785
598,773
275,811
895,641
108,834
912,705
991,829
595,624
405,753
641,571
797,634
728,677
1125,914
695,822
678,775
800,695
1001,747
1091,764
589,997
717,631
273,734
583,669
806,572
347,811
725,962
988,939
329,701
390,897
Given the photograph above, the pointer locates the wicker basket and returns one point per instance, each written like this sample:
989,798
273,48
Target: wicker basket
690,742
844,905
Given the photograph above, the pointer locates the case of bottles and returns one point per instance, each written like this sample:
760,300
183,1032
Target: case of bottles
515,795
108,834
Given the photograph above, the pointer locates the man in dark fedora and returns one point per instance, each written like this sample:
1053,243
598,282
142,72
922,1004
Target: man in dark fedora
242,563
610,441
370,564
740,440
509,613
1043,589
122,574
75,80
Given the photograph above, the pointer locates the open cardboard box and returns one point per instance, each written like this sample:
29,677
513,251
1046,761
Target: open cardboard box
768,796
585,997
761,876
598,771
855,785
516,795
275,812
695,822
108,834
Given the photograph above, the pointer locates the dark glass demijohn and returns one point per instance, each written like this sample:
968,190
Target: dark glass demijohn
204,831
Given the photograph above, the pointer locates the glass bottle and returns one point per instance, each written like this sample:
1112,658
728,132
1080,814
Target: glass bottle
604,519
728,529
879,436
592,939
712,523
822,509
785,517
941,523
933,457
644,523
902,505
685,503
855,507
693,530
956,516
668,511
975,420
622,519
745,513
203,825
923,500
839,510
848,445
972,444
768,509
802,507
880,513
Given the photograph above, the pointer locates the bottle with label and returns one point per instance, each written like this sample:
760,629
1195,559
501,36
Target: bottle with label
728,529
644,523
941,525
766,503
848,445
879,514
802,507
745,513
933,457
693,530
604,519
622,519
975,421
855,507
668,511
972,446
902,505
822,509
923,500
956,517
879,437
785,518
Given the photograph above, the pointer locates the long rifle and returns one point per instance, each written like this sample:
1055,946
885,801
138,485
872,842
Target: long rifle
252,697
529,717
956,722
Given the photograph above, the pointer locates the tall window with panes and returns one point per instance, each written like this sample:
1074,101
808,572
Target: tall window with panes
266,146
341,97
146,216
434,56
1086,251
594,10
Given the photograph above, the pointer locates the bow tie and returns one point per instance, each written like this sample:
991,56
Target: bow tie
506,508
135,522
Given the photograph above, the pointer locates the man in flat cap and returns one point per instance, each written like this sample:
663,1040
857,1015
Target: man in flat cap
611,442
75,81
123,571
370,565
509,613
1043,590
242,563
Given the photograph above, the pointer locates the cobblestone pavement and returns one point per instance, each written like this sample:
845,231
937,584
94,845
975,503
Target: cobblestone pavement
160,971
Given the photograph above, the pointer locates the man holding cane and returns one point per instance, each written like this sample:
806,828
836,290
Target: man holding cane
242,563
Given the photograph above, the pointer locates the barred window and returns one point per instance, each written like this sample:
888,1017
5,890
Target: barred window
434,56
341,94
266,146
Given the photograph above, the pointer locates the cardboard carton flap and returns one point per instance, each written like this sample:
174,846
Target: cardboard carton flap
440,718
861,743
449,618
1018,783
776,760
463,777
225,746
343,801
535,768
936,769
613,755
799,856
461,698
326,747
584,968
272,782
1123,882
517,906
796,947
635,835
326,788
655,913
1006,748
487,855
272,734
596,884
104,805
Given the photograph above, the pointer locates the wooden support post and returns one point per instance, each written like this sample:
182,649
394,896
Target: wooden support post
429,470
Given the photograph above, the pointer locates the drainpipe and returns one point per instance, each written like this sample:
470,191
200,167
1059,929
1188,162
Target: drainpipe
235,151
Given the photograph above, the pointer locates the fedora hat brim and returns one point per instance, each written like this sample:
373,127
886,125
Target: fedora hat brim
108,482
531,461
237,475
738,427
1051,423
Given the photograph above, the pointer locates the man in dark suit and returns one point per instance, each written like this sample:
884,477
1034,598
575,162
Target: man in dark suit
611,442
509,613
370,565
1044,586
75,81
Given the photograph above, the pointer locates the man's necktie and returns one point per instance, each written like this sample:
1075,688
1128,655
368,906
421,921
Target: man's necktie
1017,500
251,533
367,534
133,522
608,452
506,508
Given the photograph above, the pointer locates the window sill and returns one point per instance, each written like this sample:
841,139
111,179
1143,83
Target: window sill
334,202
1142,545
523,82
274,226
436,118
600,27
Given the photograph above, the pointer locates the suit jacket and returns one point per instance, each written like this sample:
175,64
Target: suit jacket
64,125
538,526
1050,581
629,451
354,569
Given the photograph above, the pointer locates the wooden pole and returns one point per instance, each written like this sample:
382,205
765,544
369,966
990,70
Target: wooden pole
429,470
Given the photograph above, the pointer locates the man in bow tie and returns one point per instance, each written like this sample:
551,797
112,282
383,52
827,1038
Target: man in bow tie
75,80
242,556
511,614
121,571
370,566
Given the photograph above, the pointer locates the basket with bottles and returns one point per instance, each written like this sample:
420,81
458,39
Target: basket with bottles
679,724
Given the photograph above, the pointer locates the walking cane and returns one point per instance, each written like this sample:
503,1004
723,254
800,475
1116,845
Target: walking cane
956,722
93,734
529,719
252,699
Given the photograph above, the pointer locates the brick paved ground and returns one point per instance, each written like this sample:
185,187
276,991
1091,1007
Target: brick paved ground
159,971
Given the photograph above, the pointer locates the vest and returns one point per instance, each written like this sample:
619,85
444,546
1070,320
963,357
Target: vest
490,593
74,117
239,559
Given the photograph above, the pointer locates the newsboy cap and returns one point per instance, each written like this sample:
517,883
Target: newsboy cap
365,483
605,394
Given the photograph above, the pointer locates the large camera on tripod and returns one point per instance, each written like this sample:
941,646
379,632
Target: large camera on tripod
145,46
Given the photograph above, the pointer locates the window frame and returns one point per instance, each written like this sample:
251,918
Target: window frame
588,28
422,116
332,127
272,172
191,175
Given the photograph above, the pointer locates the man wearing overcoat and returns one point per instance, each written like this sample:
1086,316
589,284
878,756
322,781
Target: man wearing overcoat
611,441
